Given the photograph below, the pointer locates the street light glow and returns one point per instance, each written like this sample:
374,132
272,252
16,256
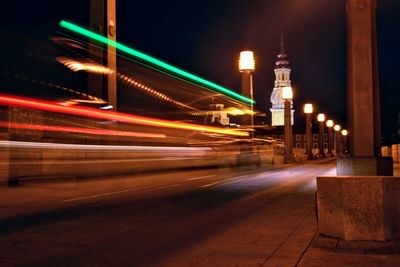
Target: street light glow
329,123
149,59
321,117
308,108
345,132
246,61
337,127
287,93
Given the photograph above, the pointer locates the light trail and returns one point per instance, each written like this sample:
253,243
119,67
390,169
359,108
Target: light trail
110,115
82,31
78,130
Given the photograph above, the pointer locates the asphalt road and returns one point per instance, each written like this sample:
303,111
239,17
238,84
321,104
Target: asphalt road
211,217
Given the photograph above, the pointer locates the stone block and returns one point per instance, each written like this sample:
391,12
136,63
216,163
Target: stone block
364,166
359,207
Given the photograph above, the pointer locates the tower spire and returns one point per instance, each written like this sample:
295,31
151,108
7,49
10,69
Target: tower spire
282,45
282,61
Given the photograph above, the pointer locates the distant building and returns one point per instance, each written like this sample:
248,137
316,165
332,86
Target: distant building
282,79
217,115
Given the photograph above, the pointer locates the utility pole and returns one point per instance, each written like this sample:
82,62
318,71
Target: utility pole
103,21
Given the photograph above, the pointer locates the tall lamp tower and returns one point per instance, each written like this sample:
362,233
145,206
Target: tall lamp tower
247,67
321,119
287,96
308,110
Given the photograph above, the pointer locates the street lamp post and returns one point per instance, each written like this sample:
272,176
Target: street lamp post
246,67
308,110
287,96
329,124
345,133
337,128
321,119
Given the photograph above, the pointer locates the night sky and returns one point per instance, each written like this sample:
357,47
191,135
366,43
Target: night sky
205,38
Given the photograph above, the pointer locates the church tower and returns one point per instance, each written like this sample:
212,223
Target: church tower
282,79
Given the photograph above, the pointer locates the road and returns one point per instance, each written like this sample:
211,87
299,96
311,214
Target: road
214,217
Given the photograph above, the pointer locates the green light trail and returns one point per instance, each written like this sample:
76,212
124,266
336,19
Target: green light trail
82,31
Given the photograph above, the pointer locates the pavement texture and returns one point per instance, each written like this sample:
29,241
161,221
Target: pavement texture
215,225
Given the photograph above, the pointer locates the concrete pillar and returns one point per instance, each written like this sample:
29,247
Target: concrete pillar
362,88
363,94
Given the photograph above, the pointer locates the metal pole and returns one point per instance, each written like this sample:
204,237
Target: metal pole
309,136
247,90
321,140
330,141
288,132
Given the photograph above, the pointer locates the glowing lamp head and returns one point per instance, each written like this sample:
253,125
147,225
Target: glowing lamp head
308,108
337,127
329,123
287,93
321,117
345,132
246,61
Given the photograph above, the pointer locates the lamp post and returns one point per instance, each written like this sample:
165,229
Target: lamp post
329,124
246,67
287,96
308,110
345,133
337,128
321,119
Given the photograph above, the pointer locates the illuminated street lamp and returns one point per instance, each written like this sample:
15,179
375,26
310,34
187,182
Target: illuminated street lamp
246,67
345,133
337,128
287,96
321,119
308,110
329,124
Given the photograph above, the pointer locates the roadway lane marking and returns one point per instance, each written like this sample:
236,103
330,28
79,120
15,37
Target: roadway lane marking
227,181
208,185
99,195
118,192
200,177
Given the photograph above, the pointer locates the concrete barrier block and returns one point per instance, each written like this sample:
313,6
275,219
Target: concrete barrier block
359,207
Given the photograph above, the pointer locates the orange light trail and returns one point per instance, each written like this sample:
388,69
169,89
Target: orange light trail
78,130
110,115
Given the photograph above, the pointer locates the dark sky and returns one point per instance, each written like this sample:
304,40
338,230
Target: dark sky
205,37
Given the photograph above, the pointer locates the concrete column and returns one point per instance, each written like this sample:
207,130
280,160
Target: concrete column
362,88
363,94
